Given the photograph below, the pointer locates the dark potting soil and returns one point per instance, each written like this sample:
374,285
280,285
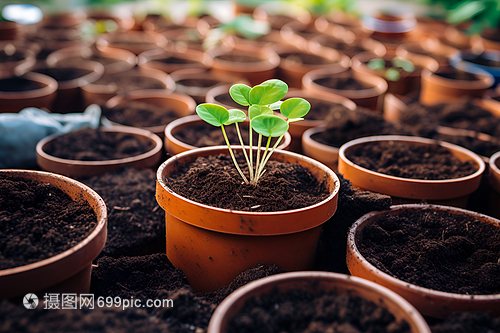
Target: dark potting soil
204,135
436,249
484,60
127,82
457,75
321,109
201,83
342,83
19,84
343,125
97,145
63,73
10,57
319,311
176,60
139,114
336,44
304,58
136,224
407,160
238,58
38,221
214,181
465,322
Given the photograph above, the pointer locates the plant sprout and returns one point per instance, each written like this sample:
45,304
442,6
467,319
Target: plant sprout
393,73
261,100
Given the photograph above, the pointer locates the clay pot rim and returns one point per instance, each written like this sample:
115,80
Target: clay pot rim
99,228
50,88
494,176
96,72
177,157
479,161
199,73
379,88
484,81
144,59
235,300
144,94
359,61
194,119
351,243
332,98
19,67
307,137
336,57
116,162
269,59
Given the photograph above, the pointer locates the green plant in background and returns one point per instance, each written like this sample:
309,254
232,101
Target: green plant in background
481,13
319,7
261,100
398,66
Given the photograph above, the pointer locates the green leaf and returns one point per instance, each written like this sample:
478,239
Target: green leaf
257,110
295,108
465,11
250,28
240,93
236,116
392,74
268,92
270,126
405,64
213,114
376,63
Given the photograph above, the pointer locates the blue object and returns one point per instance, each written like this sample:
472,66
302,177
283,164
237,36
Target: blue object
20,132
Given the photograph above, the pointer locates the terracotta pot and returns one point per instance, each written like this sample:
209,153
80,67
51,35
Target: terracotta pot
346,42
122,16
328,155
494,183
408,83
339,22
220,95
427,47
429,302
470,61
292,68
15,101
13,66
64,19
435,88
132,41
174,146
255,65
207,242
312,282
75,168
452,192
299,34
111,84
368,98
297,129
159,59
66,272
114,60
197,82
490,40
390,28
183,105
69,96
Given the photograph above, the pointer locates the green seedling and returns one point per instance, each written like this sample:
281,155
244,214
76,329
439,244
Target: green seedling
397,66
261,100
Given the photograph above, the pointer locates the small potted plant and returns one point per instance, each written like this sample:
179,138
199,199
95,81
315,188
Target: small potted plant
213,239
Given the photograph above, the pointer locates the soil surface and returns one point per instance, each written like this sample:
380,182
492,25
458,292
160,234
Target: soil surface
343,125
38,221
139,114
204,134
126,82
308,312
201,83
341,83
136,224
436,249
63,73
238,58
457,75
337,44
97,145
214,181
6,57
320,109
13,84
407,160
